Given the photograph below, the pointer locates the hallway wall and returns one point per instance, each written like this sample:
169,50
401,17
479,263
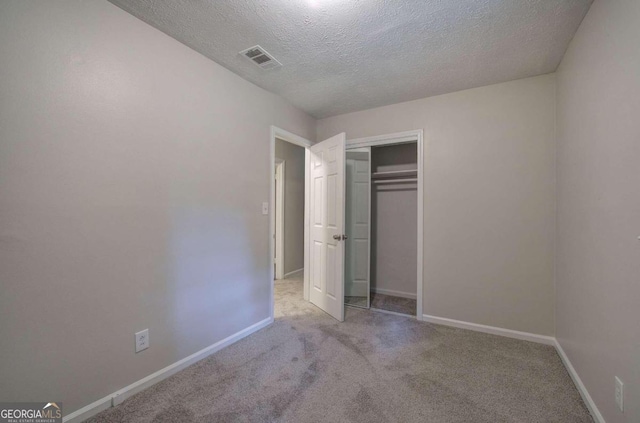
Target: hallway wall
293,156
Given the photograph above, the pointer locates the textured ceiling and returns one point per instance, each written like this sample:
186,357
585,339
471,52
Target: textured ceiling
340,56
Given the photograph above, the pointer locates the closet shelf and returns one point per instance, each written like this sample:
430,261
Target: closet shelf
395,181
395,174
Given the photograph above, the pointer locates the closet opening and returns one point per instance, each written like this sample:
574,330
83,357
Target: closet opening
383,210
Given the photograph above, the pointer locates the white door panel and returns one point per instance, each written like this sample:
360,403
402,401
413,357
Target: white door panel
327,172
357,220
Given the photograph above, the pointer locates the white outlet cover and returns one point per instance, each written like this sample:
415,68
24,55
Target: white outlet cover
619,394
142,340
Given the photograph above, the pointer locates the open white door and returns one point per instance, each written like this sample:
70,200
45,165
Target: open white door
326,211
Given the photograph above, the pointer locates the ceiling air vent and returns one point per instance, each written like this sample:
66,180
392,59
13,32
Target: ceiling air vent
260,57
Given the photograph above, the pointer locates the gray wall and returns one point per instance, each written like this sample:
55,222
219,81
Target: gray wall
598,282
394,212
489,198
293,156
132,172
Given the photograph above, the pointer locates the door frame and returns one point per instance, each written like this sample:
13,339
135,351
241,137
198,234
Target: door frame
305,143
279,216
402,138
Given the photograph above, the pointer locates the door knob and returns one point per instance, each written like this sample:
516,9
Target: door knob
339,237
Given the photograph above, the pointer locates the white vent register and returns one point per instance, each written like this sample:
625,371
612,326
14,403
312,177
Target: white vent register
260,57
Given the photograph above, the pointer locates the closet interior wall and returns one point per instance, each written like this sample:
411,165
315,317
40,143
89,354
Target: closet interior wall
394,222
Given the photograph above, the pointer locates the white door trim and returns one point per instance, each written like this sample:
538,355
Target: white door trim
279,217
400,138
302,142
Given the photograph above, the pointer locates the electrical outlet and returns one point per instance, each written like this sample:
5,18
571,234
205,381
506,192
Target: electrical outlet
619,394
142,340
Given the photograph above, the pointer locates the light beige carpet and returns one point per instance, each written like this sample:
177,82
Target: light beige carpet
374,367
395,304
384,302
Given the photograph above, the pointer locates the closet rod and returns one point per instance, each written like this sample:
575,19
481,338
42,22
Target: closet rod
394,181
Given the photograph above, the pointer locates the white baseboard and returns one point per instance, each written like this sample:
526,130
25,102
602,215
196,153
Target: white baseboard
593,409
509,333
286,275
124,393
394,293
